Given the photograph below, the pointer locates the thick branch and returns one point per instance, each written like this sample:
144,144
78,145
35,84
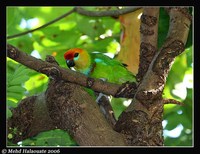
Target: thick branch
145,111
54,71
154,80
82,11
149,37
65,106
73,109
29,118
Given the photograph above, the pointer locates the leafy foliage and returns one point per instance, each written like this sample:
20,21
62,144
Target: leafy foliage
94,34
16,76
55,137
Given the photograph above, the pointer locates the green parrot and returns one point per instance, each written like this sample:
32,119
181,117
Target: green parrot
98,65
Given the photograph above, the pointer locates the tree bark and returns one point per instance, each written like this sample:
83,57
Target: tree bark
141,122
71,108
64,104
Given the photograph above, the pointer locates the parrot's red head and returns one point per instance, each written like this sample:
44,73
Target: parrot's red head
78,58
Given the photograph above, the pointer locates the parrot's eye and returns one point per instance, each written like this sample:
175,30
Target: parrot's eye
76,54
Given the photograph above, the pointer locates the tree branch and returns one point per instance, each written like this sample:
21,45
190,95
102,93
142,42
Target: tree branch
126,90
155,78
43,26
35,118
82,11
73,109
149,37
145,111
172,101
65,106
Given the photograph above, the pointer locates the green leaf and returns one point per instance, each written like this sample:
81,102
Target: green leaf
13,17
63,38
171,122
163,26
9,114
17,89
50,138
22,70
18,75
117,105
101,45
189,42
112,24
14,95
11,103
18,80
36,83
90,26
189,55
9,76
24,43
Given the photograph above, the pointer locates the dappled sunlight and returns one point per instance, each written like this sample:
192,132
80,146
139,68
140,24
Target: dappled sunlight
174,133
30,23
117,37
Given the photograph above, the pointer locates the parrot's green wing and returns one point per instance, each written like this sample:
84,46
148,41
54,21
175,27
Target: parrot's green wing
110,69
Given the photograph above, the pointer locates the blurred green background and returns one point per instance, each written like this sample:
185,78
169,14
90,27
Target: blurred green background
94,34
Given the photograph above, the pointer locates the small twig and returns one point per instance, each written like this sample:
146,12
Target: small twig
43,26
105,13
172,101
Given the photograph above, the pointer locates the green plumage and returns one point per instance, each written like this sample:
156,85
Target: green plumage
98,65
109,69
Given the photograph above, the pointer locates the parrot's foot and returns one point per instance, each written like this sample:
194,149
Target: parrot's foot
104,104
100,96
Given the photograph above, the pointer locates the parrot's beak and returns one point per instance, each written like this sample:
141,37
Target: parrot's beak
70,63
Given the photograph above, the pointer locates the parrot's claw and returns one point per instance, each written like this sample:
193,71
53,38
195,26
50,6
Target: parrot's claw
100,96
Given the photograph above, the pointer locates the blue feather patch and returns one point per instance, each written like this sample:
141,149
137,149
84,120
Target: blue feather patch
97,60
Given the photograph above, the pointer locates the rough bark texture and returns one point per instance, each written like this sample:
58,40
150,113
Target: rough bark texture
144,115
69,107
74,110
29,118
65,106
149,36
